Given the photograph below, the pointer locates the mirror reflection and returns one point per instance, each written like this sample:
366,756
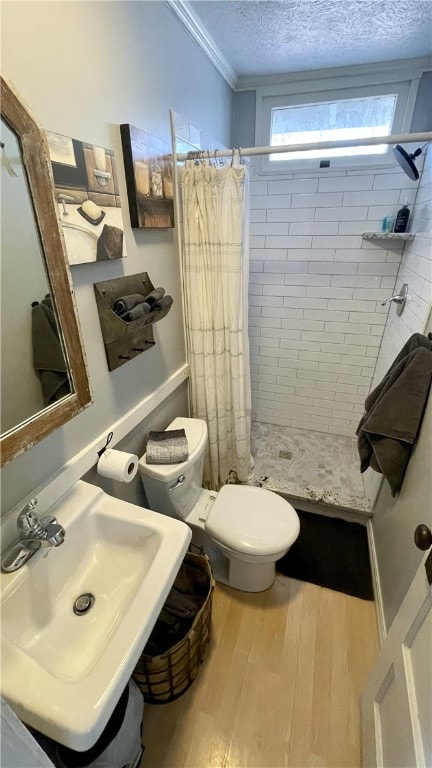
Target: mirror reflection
34,373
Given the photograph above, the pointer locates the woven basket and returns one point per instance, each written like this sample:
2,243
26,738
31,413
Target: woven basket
166,677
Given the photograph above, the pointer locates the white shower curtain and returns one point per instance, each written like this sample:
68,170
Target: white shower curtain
215,276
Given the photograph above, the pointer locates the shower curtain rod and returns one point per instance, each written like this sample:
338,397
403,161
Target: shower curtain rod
399,138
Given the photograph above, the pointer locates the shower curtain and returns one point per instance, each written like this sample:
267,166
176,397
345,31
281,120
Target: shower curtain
215,277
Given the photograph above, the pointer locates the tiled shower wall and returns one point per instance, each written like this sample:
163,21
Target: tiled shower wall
416,270
315,292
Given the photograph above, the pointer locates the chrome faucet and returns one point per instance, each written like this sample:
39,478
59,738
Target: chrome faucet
34,533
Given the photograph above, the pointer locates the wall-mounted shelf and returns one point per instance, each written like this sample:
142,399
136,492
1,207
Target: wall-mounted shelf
388,236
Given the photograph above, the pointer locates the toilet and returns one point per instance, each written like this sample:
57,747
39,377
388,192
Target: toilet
243,529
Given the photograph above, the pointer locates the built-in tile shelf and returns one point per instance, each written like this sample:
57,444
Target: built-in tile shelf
388,236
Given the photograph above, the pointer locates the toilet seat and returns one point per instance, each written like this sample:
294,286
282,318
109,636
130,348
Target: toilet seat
252,520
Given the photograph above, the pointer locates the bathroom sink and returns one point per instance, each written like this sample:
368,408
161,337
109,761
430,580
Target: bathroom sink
62,671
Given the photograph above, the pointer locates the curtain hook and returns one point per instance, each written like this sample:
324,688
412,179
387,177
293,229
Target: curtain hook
232,157
242,160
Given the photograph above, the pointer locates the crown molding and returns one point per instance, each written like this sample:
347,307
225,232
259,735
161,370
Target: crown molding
197,30
407,68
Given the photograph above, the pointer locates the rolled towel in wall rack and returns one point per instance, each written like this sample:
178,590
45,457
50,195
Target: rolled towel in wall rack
125,303
164,303
155,296
136,312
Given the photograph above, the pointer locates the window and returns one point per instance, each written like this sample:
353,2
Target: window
330,121
330,115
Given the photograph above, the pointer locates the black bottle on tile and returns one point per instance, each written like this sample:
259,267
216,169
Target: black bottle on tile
402,216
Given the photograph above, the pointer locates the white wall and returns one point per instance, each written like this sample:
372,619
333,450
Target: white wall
315,292
84,68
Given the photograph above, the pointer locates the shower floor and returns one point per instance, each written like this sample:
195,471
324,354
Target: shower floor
317,471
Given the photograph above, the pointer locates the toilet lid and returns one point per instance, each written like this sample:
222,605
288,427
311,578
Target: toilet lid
252,520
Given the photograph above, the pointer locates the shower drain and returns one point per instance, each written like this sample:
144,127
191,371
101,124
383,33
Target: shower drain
83,604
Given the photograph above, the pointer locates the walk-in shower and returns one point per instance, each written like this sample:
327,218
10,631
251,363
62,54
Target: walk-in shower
320,272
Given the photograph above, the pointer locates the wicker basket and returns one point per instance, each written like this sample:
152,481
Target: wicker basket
166,677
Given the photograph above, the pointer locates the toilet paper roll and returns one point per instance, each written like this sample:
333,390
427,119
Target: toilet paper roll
118,465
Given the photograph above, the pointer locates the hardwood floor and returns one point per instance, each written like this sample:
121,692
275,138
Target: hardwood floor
279,688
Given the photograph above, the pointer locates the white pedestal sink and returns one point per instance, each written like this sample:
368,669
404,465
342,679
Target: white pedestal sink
63,673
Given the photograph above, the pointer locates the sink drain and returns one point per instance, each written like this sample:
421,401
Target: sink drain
83,604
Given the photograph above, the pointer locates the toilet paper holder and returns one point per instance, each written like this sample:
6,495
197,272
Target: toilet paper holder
108,440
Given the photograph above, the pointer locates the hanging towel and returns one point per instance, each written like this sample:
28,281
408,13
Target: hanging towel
168,447
394,412
48,359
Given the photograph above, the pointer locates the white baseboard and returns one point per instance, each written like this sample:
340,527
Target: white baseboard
376,584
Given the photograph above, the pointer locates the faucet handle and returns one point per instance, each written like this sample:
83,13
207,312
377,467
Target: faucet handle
28,521
400,299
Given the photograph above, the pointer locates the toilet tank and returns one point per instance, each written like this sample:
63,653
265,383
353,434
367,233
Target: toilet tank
159,479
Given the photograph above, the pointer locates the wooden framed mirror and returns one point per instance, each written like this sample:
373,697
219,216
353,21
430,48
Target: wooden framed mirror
44,374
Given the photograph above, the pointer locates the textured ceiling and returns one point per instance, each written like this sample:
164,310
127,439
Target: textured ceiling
267,38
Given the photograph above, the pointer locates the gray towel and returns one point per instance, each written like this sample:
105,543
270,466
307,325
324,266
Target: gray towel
164,303
394,412
168,447
139,311
48,359
125,303
154,296
185,599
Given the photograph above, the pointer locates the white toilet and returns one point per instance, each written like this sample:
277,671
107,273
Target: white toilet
243,529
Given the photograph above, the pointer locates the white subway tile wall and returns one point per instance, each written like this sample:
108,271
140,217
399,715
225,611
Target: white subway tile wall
415,269
316,319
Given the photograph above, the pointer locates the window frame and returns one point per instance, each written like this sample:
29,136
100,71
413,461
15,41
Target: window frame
405,90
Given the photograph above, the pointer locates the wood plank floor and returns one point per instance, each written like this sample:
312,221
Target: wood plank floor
279,688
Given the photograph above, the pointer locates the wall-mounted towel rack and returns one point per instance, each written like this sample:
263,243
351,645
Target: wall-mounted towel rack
125,340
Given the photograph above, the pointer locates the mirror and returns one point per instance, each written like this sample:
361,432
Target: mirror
44,376
33,364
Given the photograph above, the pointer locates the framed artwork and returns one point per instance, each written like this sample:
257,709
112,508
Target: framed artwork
87,198
148,178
